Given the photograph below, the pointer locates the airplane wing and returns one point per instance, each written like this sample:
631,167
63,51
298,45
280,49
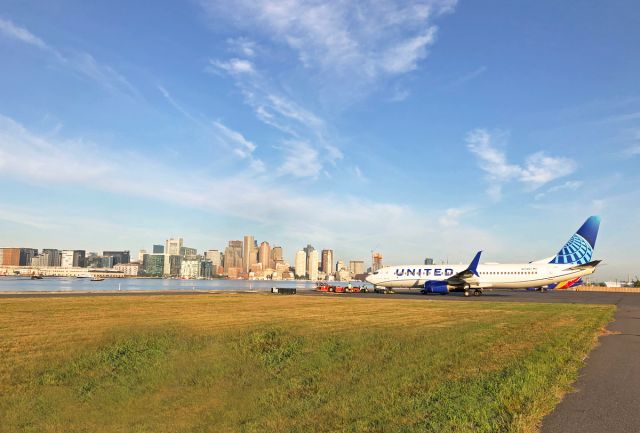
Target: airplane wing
468,275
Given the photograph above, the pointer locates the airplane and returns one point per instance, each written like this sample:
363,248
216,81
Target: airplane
565,269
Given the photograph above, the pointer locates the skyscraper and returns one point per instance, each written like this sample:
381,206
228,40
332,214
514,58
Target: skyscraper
264,256
327,261
233,256
307,250
300,264
313,265
248,246
276,256
172,246
214,256
158,249
356,267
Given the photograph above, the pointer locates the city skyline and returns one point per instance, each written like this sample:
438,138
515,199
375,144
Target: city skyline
431,128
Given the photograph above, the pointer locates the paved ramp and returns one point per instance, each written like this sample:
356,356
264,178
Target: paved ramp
607,396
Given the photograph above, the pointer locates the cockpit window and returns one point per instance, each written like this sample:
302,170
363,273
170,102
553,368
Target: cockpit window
375,273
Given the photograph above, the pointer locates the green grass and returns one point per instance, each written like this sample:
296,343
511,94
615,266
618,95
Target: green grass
294,364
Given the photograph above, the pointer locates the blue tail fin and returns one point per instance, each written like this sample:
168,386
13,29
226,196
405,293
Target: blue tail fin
473,267
579,249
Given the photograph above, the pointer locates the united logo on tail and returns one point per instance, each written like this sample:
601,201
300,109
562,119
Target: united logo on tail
579,249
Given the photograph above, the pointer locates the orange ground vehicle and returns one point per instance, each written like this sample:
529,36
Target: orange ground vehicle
323,288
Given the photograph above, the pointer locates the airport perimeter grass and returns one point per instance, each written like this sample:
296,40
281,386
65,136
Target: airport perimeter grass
268,363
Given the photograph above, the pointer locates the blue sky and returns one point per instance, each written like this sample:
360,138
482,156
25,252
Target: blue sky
418,128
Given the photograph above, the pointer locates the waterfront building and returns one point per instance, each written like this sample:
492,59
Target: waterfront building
172,265
215,257
356,267
158,249
312,271
118,256
339,266
172,246
190,269
300,264
131,269
264,256
206,269
18,256
327,261
72,259
153,265
49,257
141,254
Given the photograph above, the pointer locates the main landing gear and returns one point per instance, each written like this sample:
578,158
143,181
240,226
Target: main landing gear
476,292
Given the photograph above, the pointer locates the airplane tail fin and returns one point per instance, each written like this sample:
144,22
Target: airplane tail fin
579,249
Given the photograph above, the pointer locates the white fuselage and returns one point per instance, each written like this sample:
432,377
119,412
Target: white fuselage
505,276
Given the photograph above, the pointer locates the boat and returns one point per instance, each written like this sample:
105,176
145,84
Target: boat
97,279
36,277
85,275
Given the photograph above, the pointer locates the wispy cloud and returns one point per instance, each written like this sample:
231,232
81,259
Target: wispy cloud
467,77
451,216
570,185
300,160
80,62
21,34
362,40
232,66
302,129
537,170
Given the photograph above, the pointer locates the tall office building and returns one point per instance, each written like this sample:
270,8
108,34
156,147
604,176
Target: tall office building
276,256
48,258
356,267
307,250
72,259
327,261
248,246
428,261
339,265
312,271
119,257
264,256
233,256
300,264
18,256
172,246
214,256
158,249
153,265
141,254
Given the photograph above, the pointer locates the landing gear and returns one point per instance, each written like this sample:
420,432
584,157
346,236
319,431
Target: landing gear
477,292
466,293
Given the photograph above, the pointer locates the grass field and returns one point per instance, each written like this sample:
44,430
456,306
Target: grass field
268,363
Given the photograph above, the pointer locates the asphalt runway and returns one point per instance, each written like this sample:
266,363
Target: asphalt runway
607,393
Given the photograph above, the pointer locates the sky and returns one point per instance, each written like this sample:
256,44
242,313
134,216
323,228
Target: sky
430,128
